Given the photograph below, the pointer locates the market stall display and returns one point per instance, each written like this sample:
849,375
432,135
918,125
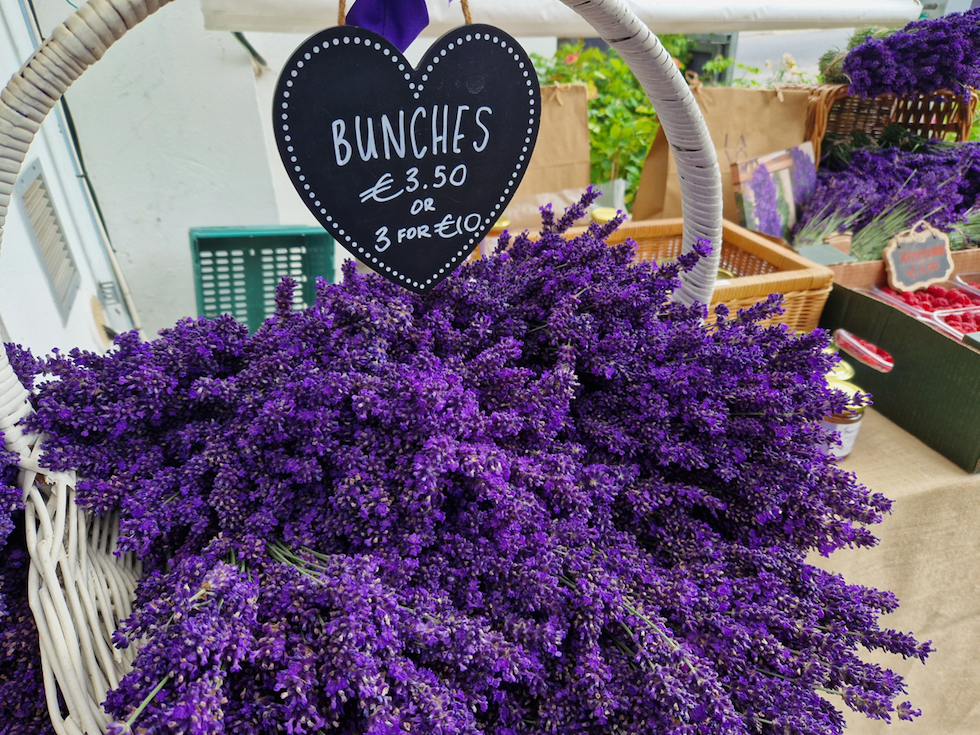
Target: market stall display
929,383
546,493
469,542
892,142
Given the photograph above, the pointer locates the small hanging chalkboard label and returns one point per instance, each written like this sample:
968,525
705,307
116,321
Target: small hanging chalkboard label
407,168
918,257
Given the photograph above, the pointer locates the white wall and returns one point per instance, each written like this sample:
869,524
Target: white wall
28,312
172,136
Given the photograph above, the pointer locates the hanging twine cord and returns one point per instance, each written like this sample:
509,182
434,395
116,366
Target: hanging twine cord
342,12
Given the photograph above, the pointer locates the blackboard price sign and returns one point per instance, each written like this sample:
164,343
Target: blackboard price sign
408,168
918,257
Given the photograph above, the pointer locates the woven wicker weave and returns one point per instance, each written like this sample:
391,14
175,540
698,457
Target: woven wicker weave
833,111
79,589
761,268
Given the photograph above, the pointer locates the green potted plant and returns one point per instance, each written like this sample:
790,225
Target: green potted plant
622,122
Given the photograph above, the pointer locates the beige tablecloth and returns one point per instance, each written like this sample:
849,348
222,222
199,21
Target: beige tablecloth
929,556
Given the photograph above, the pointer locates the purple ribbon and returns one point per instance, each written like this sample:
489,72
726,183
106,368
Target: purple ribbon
400,21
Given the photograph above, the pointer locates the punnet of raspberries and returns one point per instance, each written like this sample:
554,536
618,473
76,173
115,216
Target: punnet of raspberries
934,298
964,322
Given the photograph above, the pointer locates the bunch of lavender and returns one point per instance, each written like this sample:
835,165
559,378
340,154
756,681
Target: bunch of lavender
924,57
542,498
829,64
938,182
10,504
23,707
23,710
765,202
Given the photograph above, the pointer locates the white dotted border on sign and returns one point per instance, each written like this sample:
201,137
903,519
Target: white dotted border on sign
404,66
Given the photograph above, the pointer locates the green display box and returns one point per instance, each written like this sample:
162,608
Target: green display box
933,389
237,269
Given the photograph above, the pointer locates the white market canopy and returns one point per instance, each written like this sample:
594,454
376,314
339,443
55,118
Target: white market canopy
552,18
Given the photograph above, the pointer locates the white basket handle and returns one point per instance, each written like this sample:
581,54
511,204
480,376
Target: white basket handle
684,127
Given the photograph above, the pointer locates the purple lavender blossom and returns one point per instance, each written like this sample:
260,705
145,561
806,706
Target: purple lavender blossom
23,707
924,57
542,498
804,174
938,181
765,205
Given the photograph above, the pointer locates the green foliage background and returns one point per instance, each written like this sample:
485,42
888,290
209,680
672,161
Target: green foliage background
622,122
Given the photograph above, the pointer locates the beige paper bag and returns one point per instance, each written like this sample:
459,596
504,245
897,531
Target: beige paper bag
743,123
558,171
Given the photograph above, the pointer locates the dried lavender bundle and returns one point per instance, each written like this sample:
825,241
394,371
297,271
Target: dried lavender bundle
940,182
23,710
926,56
542,498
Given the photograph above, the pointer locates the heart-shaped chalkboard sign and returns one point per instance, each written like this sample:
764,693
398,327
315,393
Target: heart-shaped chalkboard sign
408,168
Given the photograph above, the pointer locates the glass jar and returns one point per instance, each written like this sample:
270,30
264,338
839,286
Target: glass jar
846,424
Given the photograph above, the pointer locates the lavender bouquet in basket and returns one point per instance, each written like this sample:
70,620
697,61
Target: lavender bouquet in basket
541,499
23,710
924,57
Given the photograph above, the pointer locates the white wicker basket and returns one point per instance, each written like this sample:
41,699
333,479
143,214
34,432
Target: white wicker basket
79,588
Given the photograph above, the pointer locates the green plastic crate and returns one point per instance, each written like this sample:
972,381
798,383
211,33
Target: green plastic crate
237,269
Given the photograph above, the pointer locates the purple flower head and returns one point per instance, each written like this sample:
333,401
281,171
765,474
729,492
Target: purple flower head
765,205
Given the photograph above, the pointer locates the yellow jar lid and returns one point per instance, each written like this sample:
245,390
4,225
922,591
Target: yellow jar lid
724,274
850,389
499,226
604,214
842,371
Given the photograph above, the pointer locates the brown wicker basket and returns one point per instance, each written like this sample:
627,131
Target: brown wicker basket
833,111
761,267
